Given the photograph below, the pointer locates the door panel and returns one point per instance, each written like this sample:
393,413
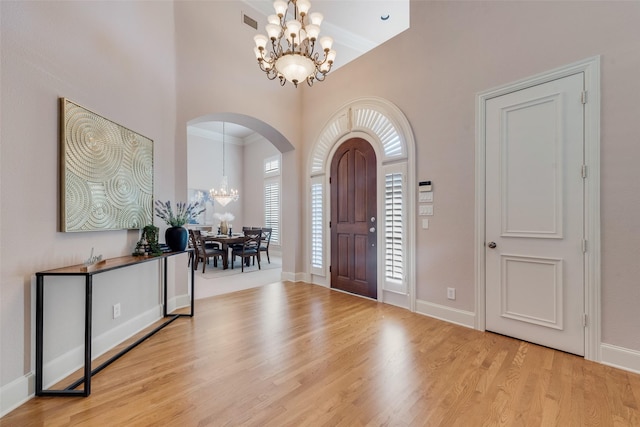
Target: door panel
532,169
532,290
353,223
534,214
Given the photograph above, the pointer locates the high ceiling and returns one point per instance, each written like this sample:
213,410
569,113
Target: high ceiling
357,26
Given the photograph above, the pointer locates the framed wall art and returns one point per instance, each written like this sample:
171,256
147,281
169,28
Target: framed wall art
106,173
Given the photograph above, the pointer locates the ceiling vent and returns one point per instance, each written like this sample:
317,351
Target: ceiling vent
250,21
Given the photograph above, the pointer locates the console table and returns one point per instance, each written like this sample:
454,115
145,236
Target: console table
88,273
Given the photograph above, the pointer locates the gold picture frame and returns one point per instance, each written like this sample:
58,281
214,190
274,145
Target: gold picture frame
106,173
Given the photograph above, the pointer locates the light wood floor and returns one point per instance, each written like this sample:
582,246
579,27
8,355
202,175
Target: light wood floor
299,355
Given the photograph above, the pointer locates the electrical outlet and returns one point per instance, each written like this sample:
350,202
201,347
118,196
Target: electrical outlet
451,293
116,311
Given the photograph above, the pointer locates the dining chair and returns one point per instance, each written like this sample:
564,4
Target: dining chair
250,248
204,252
265,240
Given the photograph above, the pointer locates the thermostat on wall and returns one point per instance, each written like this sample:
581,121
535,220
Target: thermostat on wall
424,186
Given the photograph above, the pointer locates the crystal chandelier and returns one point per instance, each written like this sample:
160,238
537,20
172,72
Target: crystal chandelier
293,40
224,195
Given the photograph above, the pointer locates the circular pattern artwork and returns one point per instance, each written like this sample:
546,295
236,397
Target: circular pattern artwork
108,173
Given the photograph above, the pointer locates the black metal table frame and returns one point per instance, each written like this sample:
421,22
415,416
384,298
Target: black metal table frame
88,372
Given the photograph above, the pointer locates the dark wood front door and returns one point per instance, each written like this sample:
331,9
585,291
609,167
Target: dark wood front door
353,219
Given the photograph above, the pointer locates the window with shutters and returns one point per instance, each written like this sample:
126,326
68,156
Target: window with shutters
272,166
317,230
272,208
272,197
393,226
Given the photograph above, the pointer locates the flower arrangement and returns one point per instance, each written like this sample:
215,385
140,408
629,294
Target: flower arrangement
185,212
225,217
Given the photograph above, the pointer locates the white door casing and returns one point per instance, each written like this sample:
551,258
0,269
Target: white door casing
537,283
534,214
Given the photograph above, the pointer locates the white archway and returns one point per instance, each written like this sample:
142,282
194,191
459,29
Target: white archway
386,128
269,132
289,175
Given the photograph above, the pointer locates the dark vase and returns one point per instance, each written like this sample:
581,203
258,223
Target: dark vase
176,238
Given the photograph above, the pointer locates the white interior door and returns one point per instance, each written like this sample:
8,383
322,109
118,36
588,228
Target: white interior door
535,215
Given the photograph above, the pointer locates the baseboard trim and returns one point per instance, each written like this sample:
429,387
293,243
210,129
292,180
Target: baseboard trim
22,389
178,301
448,314
16,393
620,357
396,299
289,276
64,365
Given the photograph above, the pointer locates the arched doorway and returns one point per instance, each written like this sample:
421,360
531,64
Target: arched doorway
385,127
241,149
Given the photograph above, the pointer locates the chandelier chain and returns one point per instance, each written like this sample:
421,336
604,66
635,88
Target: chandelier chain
224,195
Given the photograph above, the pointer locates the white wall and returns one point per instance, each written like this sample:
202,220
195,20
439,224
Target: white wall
255,152
118,59
204,171
433,72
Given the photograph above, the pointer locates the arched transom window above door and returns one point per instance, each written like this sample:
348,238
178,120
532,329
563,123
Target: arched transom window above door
373,116
386,128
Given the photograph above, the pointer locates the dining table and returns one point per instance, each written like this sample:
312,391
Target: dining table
226,242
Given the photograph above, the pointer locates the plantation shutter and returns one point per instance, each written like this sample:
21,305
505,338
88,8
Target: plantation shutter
317,247
272,209
394,230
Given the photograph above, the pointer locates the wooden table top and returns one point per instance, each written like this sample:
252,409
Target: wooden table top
221,238
107,264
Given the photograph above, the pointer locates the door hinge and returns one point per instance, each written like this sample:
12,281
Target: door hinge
583,97
585,320
329,269
584,246
329,180
584,171
329,224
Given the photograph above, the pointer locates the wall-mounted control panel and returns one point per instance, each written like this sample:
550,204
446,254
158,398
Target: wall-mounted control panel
425,195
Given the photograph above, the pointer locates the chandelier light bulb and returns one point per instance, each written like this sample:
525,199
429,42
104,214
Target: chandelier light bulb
293,28
273,31
303,6
261,41
288,51
280,7
316,18
273,19
326,43
312,31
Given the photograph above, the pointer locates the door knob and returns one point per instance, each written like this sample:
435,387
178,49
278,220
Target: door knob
492,245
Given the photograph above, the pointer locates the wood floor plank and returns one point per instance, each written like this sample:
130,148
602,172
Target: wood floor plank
292,354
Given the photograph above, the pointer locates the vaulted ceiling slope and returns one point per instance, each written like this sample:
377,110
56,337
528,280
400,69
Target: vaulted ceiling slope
357,26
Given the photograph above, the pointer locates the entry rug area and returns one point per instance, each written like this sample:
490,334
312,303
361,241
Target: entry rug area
216,281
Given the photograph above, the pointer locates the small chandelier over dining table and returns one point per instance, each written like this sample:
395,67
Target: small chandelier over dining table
224,195
293,40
